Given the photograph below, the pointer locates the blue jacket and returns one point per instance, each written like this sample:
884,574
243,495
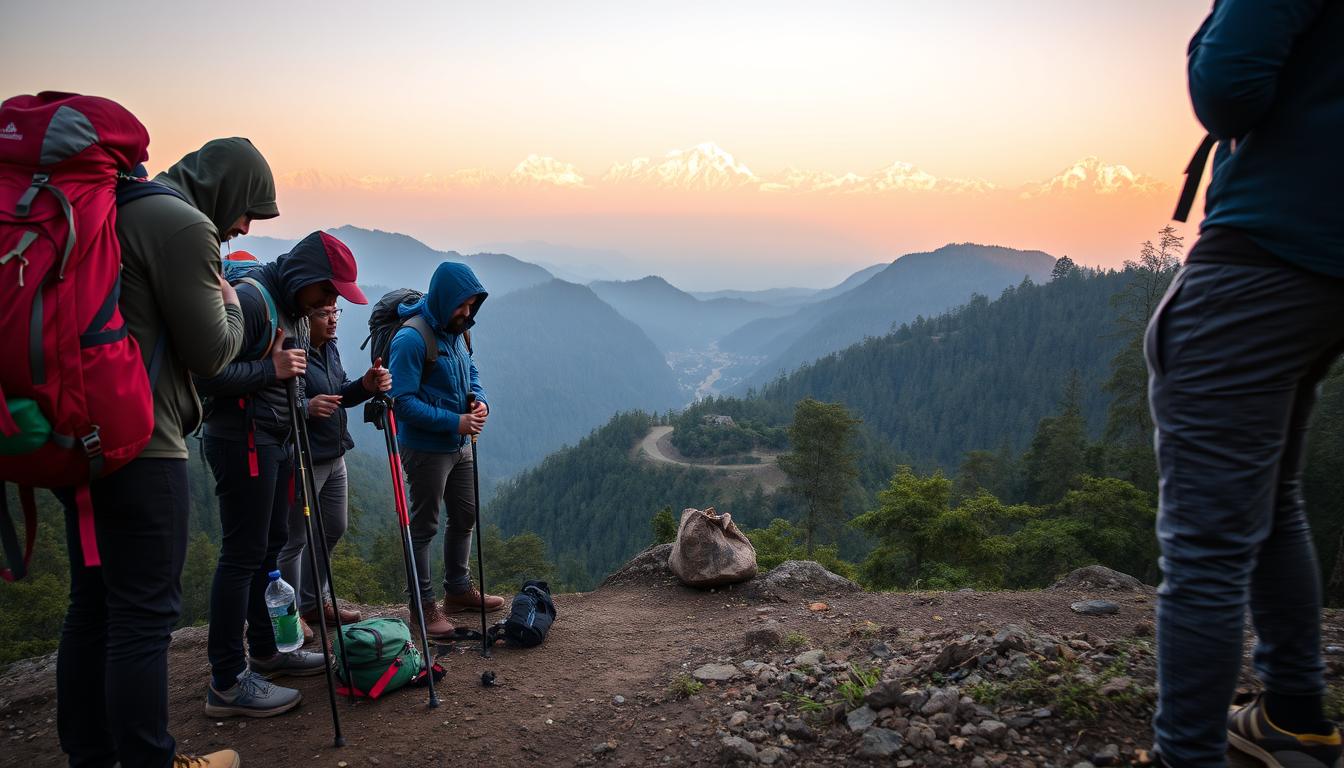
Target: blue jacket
428,403
1269,74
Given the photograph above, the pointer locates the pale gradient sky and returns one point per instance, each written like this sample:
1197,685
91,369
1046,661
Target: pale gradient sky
1011,93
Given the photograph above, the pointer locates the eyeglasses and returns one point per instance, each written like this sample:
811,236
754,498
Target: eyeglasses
324,314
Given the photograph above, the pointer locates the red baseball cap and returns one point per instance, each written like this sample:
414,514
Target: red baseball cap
343,270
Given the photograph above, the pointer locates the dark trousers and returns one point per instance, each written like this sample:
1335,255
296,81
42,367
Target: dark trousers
254,518
435,479
112,666
1235,353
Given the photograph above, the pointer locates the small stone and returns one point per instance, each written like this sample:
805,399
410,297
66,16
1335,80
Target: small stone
1042,714
342,764
912,699
1330,650
810,658
979,762
1083,764
734,748
618,700
1109,755
958,743
798,730
764,636
604,747
738,719
1095,608
818,607
920,736
770,756
880,743
880,650
861,719
905,764
1115,685
885,694
942,700
717,673
993,730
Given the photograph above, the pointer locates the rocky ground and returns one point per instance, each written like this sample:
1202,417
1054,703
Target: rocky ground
795,668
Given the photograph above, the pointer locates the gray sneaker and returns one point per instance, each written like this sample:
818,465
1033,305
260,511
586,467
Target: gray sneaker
253,696
298,663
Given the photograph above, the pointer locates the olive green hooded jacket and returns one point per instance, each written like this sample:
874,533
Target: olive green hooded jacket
170,277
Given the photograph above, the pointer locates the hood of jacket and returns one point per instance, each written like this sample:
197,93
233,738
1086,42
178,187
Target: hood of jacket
452,284
317,258
225,179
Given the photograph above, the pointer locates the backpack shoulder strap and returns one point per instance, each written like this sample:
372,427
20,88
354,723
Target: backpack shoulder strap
1193,173
272,315
466,336
431,341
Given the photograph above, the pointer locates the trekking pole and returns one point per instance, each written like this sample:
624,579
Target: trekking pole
291,392
480,562
388,424
310,488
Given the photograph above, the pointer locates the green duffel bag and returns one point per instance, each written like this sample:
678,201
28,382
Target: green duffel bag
382,656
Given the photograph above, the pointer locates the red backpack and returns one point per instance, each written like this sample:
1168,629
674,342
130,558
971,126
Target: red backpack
75,398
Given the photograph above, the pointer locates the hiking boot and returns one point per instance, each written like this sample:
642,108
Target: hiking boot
471,601
252,696
348,615
437,626
1249,731
298,663
225,758
307,631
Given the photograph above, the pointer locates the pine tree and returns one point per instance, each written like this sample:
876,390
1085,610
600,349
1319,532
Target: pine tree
821,466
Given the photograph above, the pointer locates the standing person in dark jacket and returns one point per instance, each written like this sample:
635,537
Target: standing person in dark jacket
247,443
435,424
112,666
1235,351
329,393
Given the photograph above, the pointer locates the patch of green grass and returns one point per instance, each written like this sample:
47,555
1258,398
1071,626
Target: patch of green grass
1072,696
684,686
860,682
805,703
795,640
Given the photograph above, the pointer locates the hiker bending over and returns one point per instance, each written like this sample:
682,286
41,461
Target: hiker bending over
248,436
430,403
329,393
1249,327
112,666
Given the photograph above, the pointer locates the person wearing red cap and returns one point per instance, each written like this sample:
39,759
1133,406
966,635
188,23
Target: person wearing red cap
247,432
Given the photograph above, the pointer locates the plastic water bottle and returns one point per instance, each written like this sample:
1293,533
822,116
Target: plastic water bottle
284,614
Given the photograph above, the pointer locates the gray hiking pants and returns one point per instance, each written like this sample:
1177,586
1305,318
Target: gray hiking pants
432,478
293,561
1235,353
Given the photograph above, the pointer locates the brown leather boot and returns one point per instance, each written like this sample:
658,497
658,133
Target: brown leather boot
225,758
307,631
348,615
471,601
437,625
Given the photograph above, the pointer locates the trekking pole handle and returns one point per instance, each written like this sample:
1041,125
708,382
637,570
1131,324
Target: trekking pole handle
471,406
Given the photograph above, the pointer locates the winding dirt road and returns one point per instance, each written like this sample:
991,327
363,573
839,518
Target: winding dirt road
657,446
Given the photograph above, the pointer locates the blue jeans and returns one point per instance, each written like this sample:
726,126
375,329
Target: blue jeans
112,666
1235,353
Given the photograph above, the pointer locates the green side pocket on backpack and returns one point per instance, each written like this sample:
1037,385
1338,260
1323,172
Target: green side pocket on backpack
34,429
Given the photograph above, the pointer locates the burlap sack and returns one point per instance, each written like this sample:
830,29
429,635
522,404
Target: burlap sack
710,551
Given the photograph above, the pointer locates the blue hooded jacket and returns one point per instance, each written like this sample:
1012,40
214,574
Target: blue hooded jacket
428,403
1269,76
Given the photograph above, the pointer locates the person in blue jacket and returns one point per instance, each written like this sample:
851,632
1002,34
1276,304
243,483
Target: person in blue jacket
435,423
1236,349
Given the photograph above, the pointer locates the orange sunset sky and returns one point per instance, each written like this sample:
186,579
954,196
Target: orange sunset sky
729,144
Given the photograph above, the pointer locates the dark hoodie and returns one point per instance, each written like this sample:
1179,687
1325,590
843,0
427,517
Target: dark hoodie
428,402
170,277
247,390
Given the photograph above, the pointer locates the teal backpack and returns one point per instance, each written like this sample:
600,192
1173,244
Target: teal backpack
382,656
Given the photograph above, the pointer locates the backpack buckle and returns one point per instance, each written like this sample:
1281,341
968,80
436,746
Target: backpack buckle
93,443
25,204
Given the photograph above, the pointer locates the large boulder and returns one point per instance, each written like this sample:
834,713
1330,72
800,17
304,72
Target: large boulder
648,567
803,578
1097,577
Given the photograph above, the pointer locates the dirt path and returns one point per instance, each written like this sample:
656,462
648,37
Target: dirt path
657,446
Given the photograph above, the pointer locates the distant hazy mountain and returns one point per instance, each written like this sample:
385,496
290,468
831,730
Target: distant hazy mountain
794,297
557,362
573,264
913,285
391,259
676,320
